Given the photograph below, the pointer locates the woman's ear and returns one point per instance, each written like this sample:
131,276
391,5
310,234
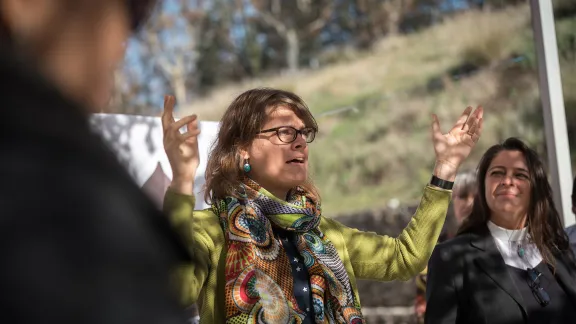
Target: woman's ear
243,153
244,158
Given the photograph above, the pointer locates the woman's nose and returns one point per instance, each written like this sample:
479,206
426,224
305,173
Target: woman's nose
506,180
300,142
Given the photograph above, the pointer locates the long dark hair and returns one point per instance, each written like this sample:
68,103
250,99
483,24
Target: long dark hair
543,220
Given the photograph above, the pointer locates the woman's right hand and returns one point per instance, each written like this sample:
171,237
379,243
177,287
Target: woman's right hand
181,148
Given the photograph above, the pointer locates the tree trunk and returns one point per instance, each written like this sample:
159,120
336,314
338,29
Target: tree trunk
292,50
179,85
178,80
393,9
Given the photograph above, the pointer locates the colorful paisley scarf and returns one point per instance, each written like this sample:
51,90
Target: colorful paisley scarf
259,284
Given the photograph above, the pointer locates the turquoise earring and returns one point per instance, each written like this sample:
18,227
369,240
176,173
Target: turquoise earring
247,166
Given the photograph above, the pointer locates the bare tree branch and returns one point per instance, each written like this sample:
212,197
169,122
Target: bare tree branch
275,23
294,27
317,25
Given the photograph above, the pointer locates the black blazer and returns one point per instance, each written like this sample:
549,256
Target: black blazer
79,241
468,283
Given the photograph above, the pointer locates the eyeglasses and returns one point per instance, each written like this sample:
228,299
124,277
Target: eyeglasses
288,134
534,283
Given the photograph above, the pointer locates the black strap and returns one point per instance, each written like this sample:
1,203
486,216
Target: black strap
435,181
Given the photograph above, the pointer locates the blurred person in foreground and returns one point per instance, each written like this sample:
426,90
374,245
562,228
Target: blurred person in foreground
510,262
462,199
79,241
571,230
264,253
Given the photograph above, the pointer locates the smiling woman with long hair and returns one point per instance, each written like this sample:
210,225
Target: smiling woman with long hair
80,243
511,261
264,253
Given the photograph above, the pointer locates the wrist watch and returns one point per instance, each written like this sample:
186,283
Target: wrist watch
435,181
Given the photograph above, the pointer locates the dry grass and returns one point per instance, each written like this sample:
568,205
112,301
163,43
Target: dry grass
484,38
395,64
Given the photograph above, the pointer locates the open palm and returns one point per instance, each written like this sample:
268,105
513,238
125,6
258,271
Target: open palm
181,149
453,148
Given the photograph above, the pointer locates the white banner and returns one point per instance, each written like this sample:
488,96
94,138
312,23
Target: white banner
137,141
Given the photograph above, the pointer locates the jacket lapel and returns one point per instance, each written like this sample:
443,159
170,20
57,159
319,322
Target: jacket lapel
491,262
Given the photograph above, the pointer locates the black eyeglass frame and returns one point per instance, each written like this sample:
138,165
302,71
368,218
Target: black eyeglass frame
534,284
297,132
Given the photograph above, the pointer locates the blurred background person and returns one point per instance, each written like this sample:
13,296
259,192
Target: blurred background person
461,206
463,196
79,241
510,262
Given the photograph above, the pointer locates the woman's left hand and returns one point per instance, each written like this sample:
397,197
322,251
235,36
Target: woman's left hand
454,147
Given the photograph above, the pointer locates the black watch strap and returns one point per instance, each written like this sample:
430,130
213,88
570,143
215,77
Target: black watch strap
435,181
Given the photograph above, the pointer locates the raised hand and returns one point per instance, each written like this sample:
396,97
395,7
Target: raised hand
454,147
181,148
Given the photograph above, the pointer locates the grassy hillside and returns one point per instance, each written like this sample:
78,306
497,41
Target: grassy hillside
382,151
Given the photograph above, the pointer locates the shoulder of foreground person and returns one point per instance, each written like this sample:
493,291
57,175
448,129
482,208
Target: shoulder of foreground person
70,227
